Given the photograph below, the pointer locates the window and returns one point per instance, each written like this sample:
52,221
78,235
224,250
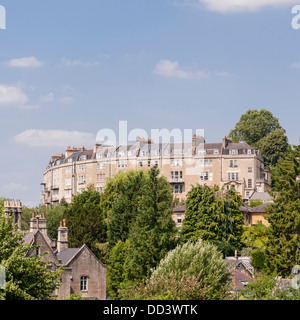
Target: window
68,181
233,176
149,163
233,164
82,158
68,194
249,183
179,218
140,164
99,155
206,163
233,151
99,189
81,179
250,169
216,151
81,167
176,163
249,151
83,283
247,194
100,165
176,175
202,152
70,160
177,189
122,164
205,176
68,169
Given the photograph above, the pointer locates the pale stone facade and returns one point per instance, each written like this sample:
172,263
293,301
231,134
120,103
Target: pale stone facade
226,164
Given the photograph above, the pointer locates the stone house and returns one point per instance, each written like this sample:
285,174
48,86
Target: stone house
83,273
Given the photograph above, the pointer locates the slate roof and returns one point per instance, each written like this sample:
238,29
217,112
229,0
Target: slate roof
67,254
179,209
263,196
242,280
258,209
245,261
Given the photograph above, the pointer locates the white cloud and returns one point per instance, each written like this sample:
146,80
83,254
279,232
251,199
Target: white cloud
12,96
79,63
295,65
47,98
226,6
171,69
54,138
66,100
26,62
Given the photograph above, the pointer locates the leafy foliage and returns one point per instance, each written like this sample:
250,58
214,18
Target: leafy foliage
253,126
212,215
152,233
201,260
169,288
283,246
86,221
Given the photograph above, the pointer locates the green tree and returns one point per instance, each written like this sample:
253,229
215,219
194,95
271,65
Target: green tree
283,245
27,278
253,126
202,260
116,273
86,221
213,215
123,210
152,233
273,147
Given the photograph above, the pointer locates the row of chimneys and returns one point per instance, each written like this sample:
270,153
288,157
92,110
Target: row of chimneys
39,222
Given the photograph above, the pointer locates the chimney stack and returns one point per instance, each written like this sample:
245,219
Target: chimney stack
62,241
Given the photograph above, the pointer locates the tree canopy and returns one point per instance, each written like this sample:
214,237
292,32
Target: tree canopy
283,245
261,130
212,215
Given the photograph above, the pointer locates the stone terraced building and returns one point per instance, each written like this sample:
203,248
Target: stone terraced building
226,164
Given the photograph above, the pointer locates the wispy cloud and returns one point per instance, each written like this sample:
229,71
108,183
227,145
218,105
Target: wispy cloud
295,65
26,62
47,98
54,138
227,6
66,100
79,63
172,69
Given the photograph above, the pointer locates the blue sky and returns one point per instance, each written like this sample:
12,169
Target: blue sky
69,66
